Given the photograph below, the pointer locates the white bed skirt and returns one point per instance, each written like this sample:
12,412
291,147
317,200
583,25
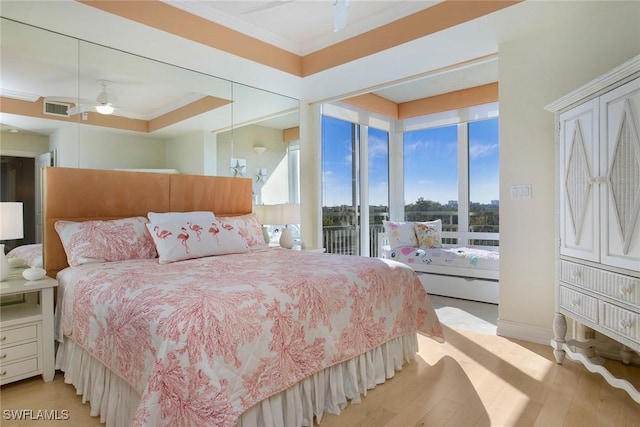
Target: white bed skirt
329,390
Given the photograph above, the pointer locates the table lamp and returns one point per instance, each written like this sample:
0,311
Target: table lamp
282,214
10,228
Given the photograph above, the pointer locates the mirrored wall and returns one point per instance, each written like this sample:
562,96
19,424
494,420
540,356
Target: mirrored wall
97,107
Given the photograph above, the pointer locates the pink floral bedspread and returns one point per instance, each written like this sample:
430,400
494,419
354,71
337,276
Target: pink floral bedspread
203,340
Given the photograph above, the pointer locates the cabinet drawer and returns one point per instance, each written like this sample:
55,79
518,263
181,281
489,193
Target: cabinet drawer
580,304
18,368
9,354
22,333
617,286
622,322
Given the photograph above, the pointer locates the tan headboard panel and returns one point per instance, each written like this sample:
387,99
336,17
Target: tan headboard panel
89,194
221,194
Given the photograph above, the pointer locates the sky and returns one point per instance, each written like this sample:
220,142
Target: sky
430,162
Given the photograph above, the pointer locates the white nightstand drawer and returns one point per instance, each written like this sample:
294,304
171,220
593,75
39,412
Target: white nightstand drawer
621,321
23,333
9,354
578,303
18,368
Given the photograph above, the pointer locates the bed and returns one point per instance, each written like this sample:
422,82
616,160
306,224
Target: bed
467,272
263,337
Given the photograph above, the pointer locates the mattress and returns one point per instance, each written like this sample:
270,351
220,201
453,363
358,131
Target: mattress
452,256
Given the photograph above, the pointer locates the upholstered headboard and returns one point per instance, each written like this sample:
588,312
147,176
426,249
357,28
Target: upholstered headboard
75,194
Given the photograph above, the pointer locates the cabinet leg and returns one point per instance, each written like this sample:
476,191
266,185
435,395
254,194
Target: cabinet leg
559,335
625,354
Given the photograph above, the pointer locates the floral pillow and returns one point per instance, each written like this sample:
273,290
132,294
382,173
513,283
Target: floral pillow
186,240
400,234
105,241
249,228
429,234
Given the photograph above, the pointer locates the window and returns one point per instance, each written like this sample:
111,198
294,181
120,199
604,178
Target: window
378,184
431,176
341,202
451,172
355,184
484,182
445,165
293,160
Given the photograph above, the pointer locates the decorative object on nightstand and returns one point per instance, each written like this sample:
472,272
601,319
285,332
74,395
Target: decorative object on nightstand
26,329
282,214
10,228
34,273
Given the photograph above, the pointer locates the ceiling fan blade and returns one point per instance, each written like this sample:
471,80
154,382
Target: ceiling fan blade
74,110
340,14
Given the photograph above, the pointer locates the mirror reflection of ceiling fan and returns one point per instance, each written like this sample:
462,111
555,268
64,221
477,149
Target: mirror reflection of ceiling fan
105,103
340,11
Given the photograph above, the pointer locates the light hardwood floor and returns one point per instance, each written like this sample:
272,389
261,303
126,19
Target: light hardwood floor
473,379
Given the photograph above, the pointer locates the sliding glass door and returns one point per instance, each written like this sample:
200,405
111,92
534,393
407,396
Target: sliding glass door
355,168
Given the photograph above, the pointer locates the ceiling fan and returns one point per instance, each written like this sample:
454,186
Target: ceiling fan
105,102
340,11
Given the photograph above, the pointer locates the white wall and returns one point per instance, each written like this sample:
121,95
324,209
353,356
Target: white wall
64,142
186,153
108,149
535,71
23,145
276,188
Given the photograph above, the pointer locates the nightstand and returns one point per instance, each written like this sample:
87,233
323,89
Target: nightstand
26,328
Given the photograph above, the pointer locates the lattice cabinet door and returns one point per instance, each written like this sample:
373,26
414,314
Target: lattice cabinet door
579,169
620,180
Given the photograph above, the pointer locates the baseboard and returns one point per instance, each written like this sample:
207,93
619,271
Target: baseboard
522,331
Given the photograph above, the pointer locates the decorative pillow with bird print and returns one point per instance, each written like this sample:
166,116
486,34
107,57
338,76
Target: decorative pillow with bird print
186,240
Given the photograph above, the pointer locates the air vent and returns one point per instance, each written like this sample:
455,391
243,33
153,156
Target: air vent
56,109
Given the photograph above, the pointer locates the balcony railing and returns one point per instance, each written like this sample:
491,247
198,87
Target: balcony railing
345,239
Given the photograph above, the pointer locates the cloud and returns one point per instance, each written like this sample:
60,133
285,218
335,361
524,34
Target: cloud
477,150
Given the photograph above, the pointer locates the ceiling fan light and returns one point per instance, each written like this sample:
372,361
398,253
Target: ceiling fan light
105,109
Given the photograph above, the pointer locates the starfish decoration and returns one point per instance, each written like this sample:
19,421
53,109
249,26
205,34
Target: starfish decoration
238,168
261,176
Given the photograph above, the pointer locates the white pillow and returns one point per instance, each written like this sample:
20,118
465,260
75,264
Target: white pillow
176,217
401,233
187,240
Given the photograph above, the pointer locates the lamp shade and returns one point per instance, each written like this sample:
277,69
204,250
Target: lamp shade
282,214
11,221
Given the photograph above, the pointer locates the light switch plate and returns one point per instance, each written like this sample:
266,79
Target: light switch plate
521,192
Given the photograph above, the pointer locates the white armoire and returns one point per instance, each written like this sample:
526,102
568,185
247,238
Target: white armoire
598,218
